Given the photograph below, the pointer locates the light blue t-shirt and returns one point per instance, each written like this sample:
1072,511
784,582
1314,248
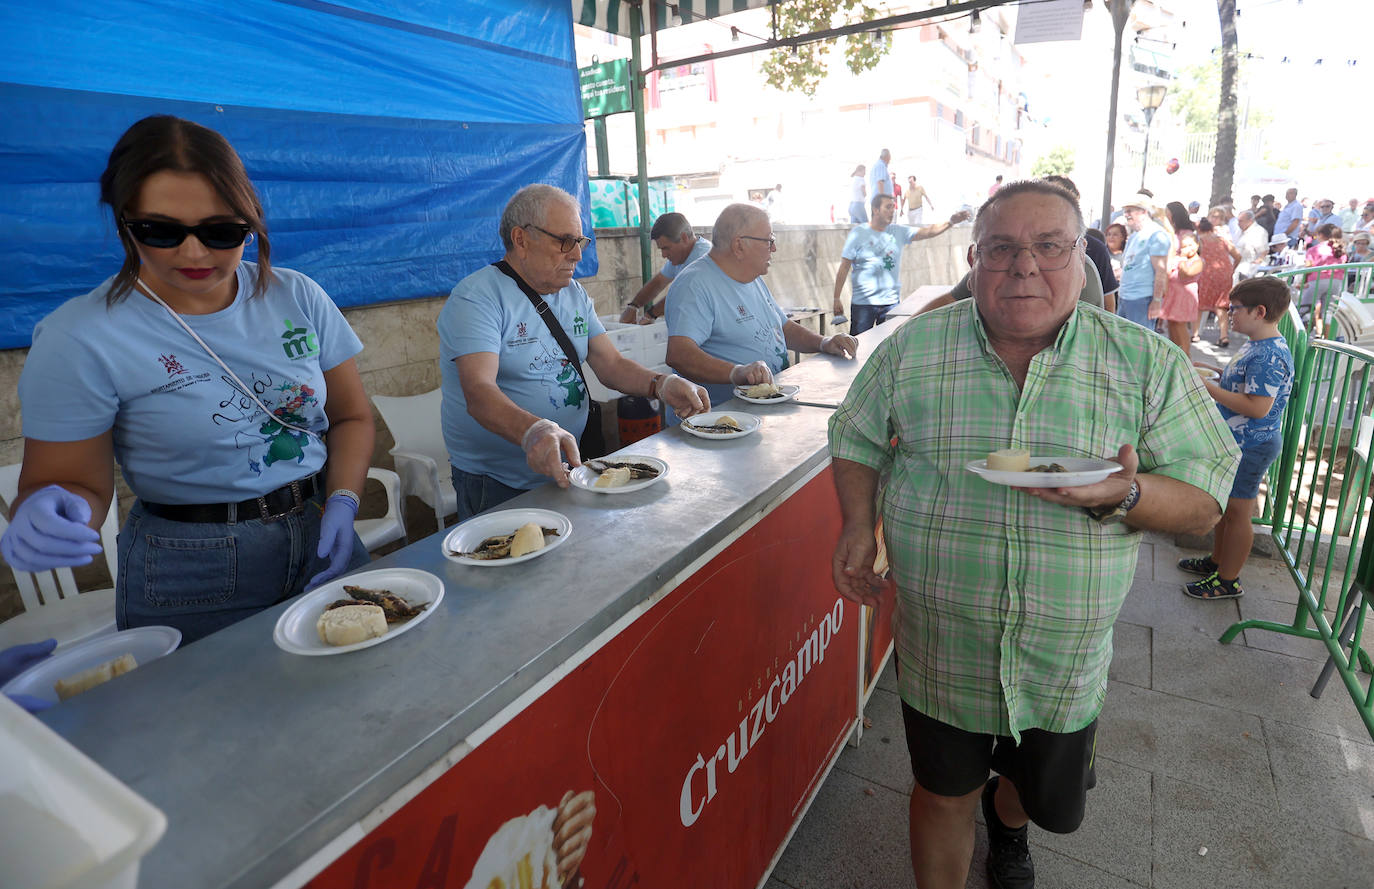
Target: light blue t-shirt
738,323
183,430
699,249
1137,272
875,258
1261,367
879,180
487,312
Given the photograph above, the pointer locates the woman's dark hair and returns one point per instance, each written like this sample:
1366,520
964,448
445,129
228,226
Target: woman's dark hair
1204,225
1178,216
163,142
1119,228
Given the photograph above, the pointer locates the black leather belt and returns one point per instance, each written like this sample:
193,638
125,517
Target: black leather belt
287,500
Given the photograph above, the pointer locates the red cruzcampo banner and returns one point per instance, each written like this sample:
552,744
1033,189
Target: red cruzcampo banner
679,755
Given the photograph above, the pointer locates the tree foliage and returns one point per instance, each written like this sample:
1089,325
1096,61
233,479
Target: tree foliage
804,67
1058,162
1195,96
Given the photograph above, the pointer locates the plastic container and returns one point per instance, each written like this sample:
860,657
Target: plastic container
654,343
636,418
65,822
627,338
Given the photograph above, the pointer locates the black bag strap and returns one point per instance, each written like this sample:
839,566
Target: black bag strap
549,318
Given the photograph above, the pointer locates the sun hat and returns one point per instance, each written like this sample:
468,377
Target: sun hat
1139,199
1278,239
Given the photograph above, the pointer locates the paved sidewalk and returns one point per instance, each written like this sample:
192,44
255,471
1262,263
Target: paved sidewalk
1200,745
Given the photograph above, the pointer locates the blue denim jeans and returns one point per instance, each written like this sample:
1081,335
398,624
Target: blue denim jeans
478,493
862,317
1137,310
202,577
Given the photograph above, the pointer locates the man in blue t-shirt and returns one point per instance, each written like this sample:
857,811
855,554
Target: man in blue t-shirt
879,179
514,403
673,236
1144,271
874,253
724,328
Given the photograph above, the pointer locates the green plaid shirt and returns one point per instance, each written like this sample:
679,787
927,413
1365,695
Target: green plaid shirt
1006,602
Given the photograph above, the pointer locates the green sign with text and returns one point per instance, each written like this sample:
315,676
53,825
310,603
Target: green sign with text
605,88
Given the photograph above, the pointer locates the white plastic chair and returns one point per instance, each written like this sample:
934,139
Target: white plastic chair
376,533
53,608
420,454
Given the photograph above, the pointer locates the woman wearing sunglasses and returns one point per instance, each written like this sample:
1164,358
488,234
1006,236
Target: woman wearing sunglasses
212,381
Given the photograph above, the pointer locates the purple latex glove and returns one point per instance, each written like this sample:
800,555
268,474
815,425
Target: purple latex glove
336,537
50,530
18,658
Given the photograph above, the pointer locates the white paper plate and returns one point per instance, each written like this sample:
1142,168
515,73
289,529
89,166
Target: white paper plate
469,535
749,422
1081,471
788,393
585,478
1207,373
144,643
296,632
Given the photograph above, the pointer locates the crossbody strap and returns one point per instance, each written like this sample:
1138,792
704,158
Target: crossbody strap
549,318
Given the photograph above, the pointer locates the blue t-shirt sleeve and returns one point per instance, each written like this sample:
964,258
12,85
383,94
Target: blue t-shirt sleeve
65,388
691,311
470,321
338,341
1158,244
851,243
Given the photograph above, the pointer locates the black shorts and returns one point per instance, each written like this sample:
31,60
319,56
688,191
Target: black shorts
1053,772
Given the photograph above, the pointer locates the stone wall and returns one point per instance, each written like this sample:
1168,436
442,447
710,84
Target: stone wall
401,345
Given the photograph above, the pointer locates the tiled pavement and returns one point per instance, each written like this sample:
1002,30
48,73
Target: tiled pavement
1201,745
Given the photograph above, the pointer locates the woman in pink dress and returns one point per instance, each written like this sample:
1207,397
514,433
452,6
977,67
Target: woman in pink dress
1219,258
1180,296
1324,286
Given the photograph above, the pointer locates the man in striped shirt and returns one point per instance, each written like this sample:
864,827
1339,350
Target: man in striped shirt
1007,596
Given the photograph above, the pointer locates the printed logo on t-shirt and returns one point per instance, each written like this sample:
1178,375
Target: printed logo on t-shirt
521,330
579,325
173,366
299,342
559,374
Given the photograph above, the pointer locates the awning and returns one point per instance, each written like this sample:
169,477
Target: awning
614,15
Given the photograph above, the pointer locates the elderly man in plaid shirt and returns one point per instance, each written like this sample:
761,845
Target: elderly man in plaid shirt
1007,596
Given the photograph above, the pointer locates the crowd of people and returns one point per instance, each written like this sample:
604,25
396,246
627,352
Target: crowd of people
247,456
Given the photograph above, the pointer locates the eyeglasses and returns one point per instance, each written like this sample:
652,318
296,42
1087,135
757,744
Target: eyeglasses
1236,307
566,243
1049,256
771,242
164,235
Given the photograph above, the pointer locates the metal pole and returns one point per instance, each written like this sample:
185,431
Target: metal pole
1121,11
603,147
1145,155
641,150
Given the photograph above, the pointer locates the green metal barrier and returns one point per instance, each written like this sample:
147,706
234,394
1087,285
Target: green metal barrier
1320,482
1317,291
1291,327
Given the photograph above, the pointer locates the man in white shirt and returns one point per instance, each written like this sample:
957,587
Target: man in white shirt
1253,245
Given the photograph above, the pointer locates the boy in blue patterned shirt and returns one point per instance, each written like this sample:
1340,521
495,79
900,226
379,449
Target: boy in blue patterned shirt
1250,395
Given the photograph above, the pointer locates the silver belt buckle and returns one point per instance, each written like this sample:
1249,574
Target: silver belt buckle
297,504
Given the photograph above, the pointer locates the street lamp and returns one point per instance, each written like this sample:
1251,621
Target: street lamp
1150,98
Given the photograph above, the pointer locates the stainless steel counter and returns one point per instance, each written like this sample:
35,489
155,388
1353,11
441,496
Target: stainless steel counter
260,759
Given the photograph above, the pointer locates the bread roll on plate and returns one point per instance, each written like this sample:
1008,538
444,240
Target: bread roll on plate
1009,460
529,538
351,624
97,675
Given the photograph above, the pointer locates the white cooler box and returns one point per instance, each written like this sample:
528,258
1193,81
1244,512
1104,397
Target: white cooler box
627,338
655,342
65,823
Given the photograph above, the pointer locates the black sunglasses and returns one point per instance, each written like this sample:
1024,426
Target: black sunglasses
161,234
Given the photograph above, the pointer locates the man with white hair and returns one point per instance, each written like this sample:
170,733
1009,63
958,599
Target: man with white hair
879,179
1253,245
1144,272
1007,595
1289,222
724,327
514,398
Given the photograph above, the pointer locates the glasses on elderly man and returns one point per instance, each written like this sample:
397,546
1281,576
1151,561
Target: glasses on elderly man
566,243
1049,256
771,242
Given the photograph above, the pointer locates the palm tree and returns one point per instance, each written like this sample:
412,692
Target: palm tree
1224,164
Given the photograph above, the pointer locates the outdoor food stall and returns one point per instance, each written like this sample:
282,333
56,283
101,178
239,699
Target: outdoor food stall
652,698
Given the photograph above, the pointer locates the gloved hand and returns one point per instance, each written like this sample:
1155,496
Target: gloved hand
545,443
336,537
841,344
50,530
18,658
751,374
686,398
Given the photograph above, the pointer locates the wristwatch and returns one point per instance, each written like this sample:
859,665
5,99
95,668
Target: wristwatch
1110,515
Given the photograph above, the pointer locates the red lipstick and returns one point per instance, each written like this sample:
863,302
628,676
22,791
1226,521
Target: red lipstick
197,274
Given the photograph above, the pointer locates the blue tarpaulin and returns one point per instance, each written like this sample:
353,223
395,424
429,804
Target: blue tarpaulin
383,137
